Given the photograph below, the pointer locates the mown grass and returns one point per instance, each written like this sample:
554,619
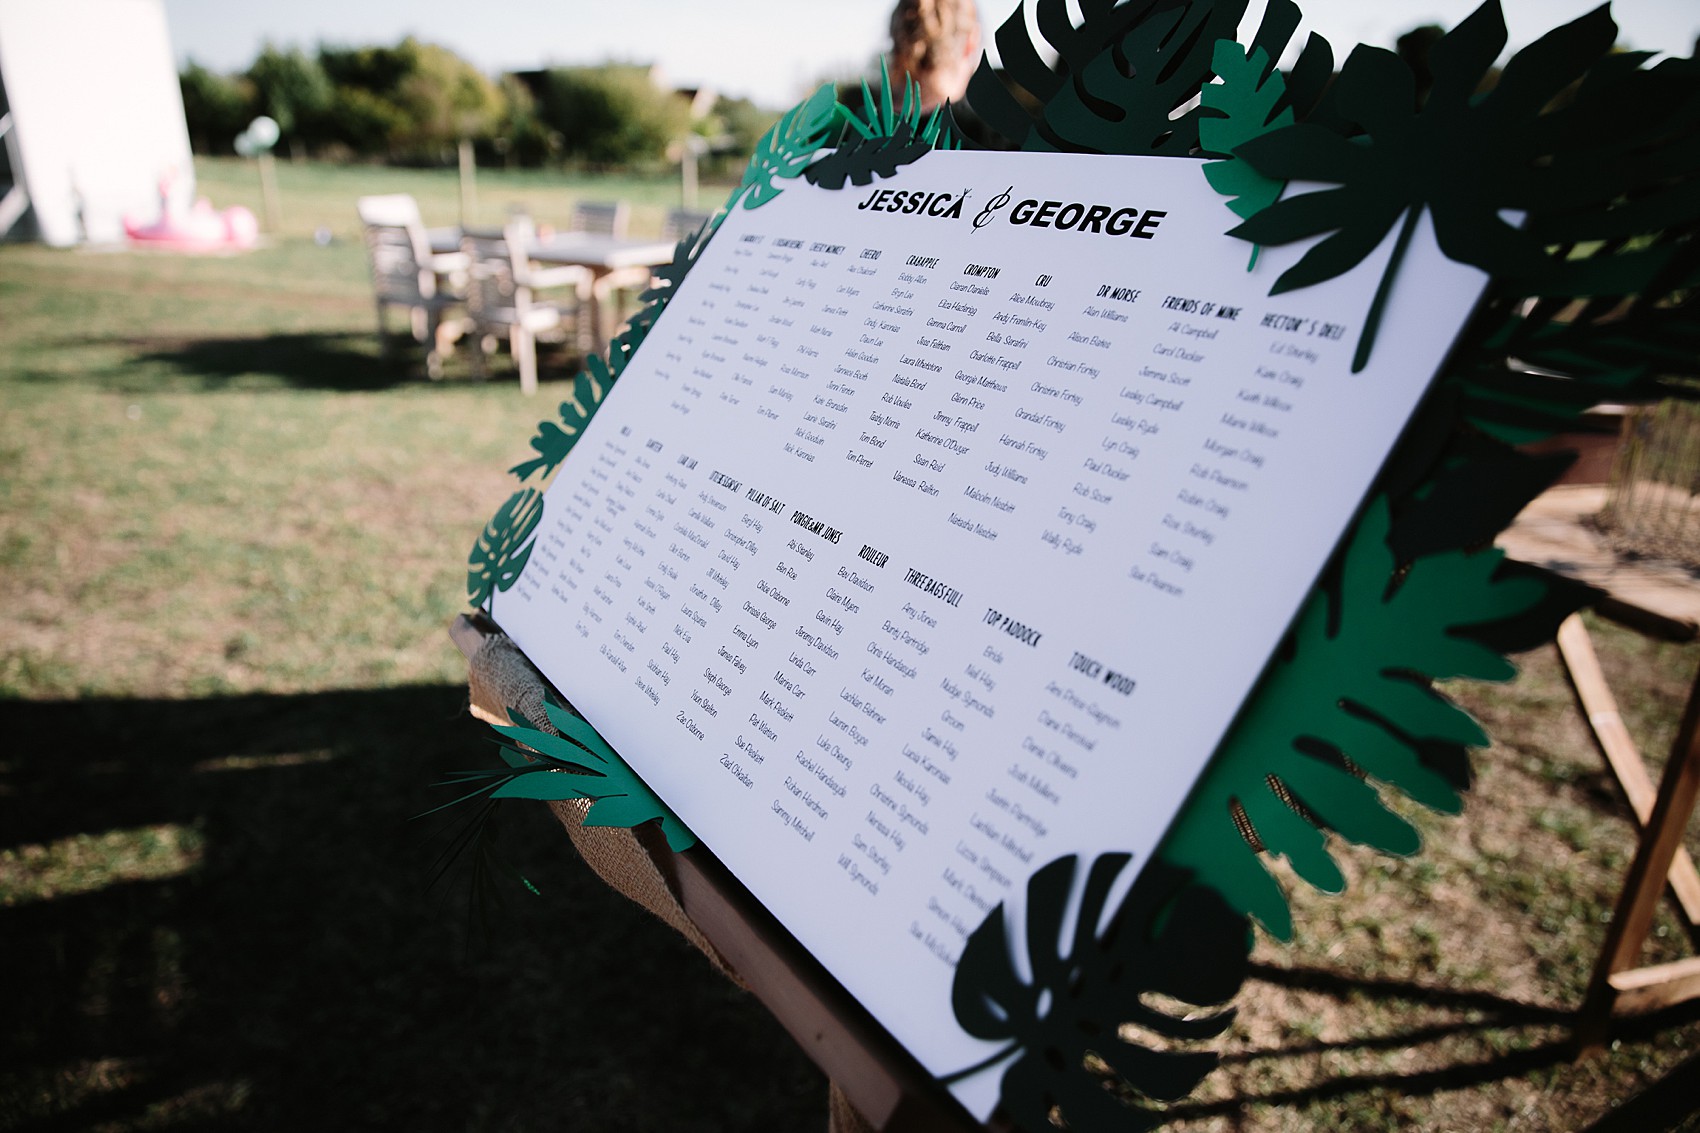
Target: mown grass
232,536
317,196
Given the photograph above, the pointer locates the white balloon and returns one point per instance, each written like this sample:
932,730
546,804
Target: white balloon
264,132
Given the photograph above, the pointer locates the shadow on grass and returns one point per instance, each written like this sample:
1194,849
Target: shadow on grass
1486,1012
331,361
344,361
294,974
319,361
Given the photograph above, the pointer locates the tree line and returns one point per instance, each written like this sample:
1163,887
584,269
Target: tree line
414,102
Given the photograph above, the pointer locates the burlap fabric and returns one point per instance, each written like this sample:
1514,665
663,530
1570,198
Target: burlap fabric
636,864
500,678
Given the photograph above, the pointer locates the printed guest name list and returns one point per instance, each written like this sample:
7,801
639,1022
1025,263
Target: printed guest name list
940,527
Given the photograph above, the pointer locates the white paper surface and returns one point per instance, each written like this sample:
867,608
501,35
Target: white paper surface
908,555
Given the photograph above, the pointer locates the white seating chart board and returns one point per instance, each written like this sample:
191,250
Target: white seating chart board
940,527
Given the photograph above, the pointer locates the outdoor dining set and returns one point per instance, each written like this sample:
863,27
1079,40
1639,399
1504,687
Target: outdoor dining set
521,281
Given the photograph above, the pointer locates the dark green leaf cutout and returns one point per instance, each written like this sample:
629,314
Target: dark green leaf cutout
1124,78
1470,497
1006,98
884,137
787,148
1118,105
859,160
1349,705
1462,157
579,764
1075,1023
503,548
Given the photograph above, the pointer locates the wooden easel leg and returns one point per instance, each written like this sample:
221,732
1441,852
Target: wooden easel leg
1633,917
1599,710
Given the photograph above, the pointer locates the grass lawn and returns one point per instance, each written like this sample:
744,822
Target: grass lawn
232,538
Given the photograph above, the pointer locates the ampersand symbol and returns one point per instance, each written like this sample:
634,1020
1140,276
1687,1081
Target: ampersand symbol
992,206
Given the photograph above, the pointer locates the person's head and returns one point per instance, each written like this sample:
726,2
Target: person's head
937,43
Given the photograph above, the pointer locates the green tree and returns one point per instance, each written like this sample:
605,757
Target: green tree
414,100
612,114
521,136
365,113
738,124
443,99
216,107
294,90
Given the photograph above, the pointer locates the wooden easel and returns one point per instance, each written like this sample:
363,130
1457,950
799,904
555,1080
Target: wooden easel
1662,603
888,1088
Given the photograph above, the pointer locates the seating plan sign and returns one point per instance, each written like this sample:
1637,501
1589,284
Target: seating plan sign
941,526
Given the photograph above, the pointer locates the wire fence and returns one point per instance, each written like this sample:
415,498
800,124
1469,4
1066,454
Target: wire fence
1651,510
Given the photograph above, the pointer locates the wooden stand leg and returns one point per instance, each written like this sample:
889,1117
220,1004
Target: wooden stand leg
1599,710
1651,988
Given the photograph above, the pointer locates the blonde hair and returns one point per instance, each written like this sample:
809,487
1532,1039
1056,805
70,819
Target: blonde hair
930,39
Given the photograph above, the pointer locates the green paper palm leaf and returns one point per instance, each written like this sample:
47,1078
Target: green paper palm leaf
787,148
1167,937
1349,706
884,138
503,547
619,797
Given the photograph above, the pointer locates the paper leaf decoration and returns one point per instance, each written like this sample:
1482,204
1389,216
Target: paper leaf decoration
1463,158
1133,109
1249,97
579,764
1349,708
787,148
883,138
1089,997
1616,317
553,441
1090,100
503,548
1125,77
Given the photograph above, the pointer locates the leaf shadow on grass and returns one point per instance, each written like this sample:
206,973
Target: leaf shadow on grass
1482,1012
298,972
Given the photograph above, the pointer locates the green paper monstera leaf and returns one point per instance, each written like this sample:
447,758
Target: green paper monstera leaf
787,148
1250,97
1090,993
553,441
1114,108
1094,99
1348,708
1125,75
1463,158
504,546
